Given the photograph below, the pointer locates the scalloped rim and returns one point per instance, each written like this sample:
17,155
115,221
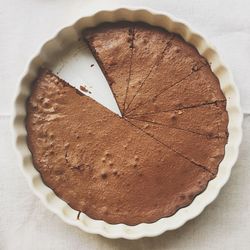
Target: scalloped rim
59,207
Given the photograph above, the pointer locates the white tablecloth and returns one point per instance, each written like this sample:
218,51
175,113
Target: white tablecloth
24,222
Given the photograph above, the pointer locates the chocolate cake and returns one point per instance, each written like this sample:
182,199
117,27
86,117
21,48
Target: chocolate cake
149,45
201,121
154,159
198,89
178,62
113,48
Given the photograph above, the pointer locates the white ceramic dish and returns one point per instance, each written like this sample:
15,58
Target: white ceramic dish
53,55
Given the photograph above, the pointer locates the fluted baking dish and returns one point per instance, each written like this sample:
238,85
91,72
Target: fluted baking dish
49,56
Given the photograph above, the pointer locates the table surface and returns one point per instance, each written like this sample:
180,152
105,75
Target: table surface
24,222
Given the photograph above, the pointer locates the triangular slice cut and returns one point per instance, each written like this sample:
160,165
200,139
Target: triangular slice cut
112,47
206,152
180,59
148,47
102,165
201,87
208,119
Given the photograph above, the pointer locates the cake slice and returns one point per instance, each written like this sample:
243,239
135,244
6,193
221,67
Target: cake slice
102,165
112,46
179,61
148,49
208,119
201,87
199,149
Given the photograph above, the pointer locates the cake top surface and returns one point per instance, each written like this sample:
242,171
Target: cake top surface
154,159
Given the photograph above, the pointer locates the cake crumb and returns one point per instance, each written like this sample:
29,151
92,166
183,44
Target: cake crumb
84,89
78,215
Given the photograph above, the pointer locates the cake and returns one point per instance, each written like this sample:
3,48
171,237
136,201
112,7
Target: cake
158,155
113,50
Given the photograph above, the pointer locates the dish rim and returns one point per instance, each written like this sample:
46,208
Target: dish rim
184,214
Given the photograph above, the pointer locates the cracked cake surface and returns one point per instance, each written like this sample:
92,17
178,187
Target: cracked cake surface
153,160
